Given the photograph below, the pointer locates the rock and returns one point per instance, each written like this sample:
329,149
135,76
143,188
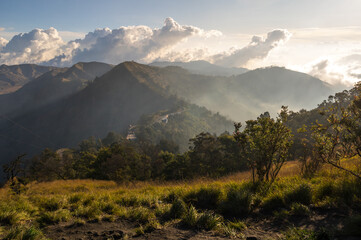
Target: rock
252,238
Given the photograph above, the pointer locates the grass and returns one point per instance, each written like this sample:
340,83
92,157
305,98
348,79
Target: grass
219,205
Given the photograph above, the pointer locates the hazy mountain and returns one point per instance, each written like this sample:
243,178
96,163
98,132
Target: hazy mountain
110,103
203,68
14,77
51,86
244,96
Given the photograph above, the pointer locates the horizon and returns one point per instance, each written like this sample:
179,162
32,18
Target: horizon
321,39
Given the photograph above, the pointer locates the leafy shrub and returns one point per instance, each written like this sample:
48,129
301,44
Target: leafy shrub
326,189
205,198
302,194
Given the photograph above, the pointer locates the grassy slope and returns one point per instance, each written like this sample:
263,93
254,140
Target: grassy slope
226,206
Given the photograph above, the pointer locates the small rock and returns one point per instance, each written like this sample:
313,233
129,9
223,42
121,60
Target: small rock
252,238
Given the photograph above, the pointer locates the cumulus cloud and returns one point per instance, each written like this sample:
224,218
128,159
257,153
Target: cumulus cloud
258,48
34,47
339,72
140,43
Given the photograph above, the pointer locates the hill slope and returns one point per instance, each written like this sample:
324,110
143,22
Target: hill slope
203,68
51,86
14,77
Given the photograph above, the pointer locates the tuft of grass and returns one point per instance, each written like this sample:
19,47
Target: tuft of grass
141,215
237,225
301,194
47,218
238,202
273,202
205,197
178,209
208,221
190,219
9,217
51,204
298,209
91,212
22,232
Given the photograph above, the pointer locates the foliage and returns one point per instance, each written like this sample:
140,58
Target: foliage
265,143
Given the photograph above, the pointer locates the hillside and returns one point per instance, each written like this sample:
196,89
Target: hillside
50,87
14,77
244,96
110,103
203,68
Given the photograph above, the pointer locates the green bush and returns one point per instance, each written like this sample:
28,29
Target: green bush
205,198
325,190
302,194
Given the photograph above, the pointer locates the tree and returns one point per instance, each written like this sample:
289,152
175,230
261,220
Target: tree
13,170
265,144
340,136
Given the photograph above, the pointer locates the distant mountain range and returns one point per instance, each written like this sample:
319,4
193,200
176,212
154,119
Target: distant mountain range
14,77
203,68
64,106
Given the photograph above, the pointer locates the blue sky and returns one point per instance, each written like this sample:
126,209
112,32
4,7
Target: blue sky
229,16
319,37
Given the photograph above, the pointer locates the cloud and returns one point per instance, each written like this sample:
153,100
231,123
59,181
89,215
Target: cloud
34,47
258,48
2,29
139,43
3,42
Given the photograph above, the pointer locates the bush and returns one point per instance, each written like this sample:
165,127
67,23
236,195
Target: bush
178,209
302,194
205,198
326,189
237,203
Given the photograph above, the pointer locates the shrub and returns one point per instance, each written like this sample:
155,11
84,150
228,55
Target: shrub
301,194
205,198
178,209
326,189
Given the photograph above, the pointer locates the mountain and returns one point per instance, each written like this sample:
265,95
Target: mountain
14,77
244,96
109,103
203,68
51,86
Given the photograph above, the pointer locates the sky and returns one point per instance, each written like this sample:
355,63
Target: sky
321,38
